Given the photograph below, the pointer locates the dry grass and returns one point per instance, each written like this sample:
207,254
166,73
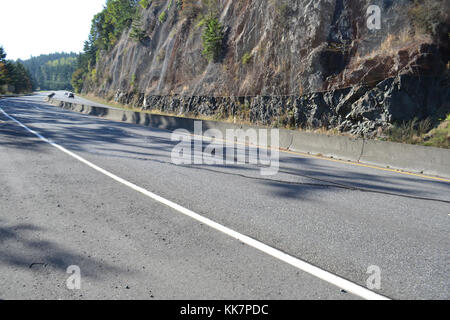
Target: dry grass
407,39
421,133
439,137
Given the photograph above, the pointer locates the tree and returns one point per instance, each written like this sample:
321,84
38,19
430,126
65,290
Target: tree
2,54
3,71
14,75
108,25
21,78
212,39
137,32
78,80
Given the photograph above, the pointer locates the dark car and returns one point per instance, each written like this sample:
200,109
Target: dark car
71,95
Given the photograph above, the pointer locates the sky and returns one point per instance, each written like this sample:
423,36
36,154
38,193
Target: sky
33,27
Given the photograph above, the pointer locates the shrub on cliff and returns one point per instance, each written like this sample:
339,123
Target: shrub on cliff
137,31
212,39
163,17
247,58
144,3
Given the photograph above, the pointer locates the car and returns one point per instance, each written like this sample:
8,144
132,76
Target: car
66,93
71,95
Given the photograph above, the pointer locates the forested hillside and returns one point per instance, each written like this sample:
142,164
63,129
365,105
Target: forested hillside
52,71
106,29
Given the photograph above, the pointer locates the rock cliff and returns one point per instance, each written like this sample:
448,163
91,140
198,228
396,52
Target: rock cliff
296,63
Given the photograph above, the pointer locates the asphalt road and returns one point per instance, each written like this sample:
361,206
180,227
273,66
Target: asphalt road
56,211
60,95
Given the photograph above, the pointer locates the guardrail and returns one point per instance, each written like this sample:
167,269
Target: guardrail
413,158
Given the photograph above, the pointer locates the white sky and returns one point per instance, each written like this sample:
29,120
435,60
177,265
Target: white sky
34,27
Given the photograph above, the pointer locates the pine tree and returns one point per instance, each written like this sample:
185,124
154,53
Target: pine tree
212,39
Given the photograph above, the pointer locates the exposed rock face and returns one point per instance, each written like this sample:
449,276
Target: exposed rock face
312,63
360,110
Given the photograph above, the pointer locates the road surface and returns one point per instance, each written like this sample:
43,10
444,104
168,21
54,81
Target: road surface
59,210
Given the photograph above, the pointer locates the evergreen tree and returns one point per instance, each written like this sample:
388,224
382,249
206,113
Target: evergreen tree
13,76
2,54
212,39
3,72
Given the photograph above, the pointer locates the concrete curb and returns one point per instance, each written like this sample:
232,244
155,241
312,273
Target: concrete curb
420,159
427,160
330,146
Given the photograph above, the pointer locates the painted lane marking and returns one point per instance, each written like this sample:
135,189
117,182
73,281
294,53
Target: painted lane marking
299,264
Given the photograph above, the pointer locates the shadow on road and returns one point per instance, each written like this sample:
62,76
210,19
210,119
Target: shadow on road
298,177
21,246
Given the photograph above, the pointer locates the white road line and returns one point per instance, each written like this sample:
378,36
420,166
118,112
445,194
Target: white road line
302,265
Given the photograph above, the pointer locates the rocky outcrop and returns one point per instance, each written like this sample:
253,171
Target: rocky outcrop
360,110
310,63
